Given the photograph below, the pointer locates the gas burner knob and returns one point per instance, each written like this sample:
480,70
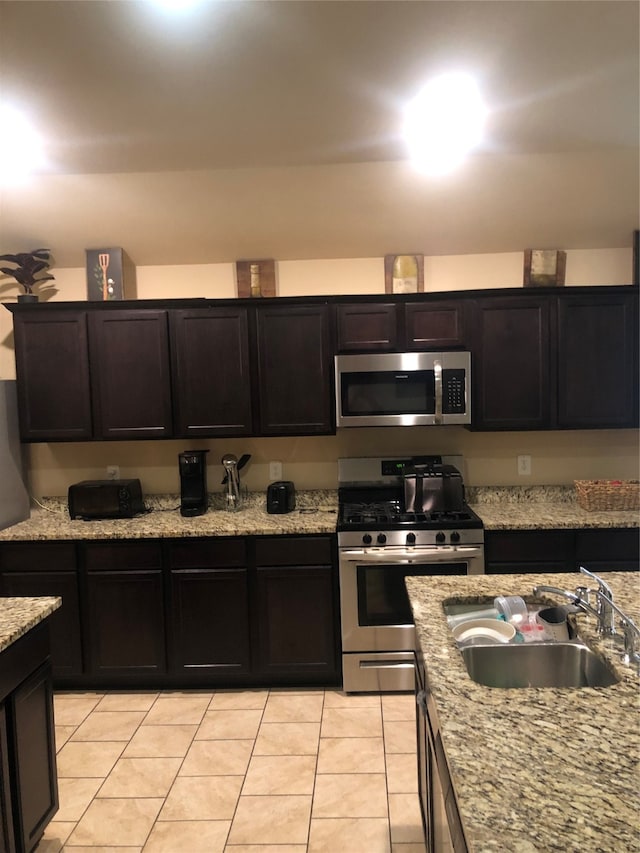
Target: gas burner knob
440,538
366,539
411,538
455,536
381,538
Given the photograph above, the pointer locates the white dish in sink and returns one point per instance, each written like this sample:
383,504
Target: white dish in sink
492,630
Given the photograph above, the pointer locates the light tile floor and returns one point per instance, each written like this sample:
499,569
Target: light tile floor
256,771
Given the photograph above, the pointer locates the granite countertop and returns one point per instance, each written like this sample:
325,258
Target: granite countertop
315,512
500,508
19,615
535,769
540,508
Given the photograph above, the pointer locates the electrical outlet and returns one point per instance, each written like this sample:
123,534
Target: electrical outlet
275,471
113,472
524,466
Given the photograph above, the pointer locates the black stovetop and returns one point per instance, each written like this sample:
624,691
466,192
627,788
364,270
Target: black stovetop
362,509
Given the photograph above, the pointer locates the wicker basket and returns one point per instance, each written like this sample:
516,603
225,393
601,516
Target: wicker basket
594,495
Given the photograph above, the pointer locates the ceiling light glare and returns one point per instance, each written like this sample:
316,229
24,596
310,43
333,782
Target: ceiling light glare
174,5
444,122
21,149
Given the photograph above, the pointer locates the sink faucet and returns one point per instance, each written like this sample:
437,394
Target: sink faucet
604,602
605,613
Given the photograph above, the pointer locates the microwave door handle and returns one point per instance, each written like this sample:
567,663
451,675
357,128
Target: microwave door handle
437,371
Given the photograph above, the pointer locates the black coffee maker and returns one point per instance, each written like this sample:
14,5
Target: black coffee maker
193,482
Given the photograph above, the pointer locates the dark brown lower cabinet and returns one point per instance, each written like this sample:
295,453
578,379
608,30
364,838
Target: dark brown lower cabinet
28,784
125,619
296,609
7,837
209,609
597,549
49,568
295,622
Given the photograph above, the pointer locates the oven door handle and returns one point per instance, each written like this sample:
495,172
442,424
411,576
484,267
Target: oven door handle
442,554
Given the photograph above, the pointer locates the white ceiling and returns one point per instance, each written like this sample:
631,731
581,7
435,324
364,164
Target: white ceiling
270,129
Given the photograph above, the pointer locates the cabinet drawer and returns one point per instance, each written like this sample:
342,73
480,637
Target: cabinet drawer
204,553
529,545
608,544
38,556
298,551
122,555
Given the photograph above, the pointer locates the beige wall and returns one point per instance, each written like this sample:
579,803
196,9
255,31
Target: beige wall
557,457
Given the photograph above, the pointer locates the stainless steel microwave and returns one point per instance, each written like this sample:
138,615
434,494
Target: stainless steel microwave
403,389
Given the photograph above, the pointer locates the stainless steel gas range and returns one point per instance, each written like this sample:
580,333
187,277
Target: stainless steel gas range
397,517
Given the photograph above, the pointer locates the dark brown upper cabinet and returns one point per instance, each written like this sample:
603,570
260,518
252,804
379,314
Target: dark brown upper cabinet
367,327
130,374
52,370
434,325
210,370
598,360
556,361
511,363
398,326
294,369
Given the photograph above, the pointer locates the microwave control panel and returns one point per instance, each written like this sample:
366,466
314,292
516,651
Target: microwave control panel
454,395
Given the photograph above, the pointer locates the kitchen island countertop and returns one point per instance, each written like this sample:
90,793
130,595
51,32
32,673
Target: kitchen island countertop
19,615
500,508
535,769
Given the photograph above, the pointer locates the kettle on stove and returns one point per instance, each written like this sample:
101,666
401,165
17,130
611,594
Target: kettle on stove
433,488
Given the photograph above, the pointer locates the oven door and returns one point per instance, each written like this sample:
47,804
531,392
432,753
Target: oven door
375,611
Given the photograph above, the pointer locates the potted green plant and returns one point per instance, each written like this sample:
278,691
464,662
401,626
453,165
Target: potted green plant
30,270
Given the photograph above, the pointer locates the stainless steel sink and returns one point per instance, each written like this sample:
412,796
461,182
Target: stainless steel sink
569,664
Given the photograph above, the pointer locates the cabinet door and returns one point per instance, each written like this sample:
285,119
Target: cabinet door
296,622
294,370
52,370
297,613
125,609
608,549
429,325
366,327
34,754
48,568
130,374
597,361
511,370
211,380
209,608
529,551
7,838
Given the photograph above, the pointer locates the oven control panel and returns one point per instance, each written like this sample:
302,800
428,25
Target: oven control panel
411,539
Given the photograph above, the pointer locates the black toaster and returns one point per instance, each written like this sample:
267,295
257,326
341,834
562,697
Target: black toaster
281,497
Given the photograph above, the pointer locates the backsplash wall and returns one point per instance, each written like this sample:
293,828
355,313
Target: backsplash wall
490,458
